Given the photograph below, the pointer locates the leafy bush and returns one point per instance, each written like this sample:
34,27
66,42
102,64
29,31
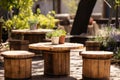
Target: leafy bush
117,54
26,16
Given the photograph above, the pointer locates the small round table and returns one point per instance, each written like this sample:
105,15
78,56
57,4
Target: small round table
17,64
56,57
96,65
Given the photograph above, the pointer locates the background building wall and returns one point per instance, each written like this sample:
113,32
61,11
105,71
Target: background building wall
97,9
44,5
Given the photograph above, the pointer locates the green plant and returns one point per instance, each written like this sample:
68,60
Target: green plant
56,33
117,55
108,37
62,32
26,16
22,21
19,21
33,21
117,2
48,21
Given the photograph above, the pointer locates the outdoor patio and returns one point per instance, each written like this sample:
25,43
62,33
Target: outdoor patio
29,28
75,69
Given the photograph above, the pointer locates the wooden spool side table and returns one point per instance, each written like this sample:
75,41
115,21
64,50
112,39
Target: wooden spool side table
17,65
56,57
96,65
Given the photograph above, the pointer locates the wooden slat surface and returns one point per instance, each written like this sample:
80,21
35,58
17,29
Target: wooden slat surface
96,65
60,47
19,54
27,31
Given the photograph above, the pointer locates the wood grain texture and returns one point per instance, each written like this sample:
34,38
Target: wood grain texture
96,65
17,64
92,46
56,63
48,46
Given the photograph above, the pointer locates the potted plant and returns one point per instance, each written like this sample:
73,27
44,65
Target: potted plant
33,23
62,36
54,35
57,35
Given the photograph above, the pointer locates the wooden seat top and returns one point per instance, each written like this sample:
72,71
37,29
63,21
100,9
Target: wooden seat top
17,54
97,54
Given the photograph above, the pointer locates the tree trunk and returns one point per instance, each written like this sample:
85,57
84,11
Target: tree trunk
83,14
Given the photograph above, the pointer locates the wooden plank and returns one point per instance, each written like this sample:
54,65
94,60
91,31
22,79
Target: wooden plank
94,68
56,65
107,68
7,68
14,68
101,69
67,62
22,68
63,63
28,68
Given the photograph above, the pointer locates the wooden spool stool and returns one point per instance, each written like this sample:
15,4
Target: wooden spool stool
92,46
96,65
19,44
17,65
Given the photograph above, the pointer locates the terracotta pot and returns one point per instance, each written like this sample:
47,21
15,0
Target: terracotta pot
62,40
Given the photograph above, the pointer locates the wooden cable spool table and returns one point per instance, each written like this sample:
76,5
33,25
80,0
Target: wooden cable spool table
28,36
96,65
33,36
56,57
17,65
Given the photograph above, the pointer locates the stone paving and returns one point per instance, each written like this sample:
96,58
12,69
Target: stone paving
75,69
